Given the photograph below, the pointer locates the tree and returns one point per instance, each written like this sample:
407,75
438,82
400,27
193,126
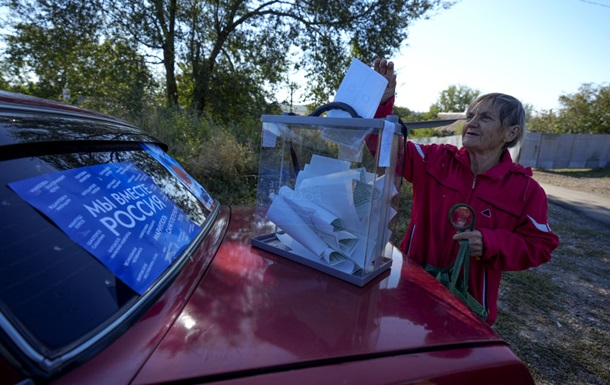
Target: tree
216,56
247,42
44,49
122,82
543,122
57,51
586,111
4,85
405,114
154,26
456,98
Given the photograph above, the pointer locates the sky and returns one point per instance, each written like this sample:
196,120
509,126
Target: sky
535,50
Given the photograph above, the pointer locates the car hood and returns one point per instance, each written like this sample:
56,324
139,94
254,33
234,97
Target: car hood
254,311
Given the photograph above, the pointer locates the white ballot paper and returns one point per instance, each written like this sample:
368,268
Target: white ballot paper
334,214
362,88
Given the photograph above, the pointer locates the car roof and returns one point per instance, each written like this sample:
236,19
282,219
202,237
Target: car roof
35,120
14,102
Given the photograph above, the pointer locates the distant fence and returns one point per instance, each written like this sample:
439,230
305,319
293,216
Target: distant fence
552,151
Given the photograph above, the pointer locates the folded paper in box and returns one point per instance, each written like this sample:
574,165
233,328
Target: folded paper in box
333,214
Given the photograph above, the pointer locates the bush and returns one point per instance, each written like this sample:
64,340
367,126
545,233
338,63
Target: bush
222,158
228,169
401,223
182,130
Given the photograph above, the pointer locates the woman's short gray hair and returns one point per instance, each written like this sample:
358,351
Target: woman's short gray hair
511,112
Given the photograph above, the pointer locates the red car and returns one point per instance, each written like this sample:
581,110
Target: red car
118,268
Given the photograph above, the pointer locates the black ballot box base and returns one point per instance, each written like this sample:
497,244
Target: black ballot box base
272,244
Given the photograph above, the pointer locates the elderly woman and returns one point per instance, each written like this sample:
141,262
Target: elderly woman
511,231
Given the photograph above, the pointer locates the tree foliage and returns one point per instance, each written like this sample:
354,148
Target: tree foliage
57,51
544,122
228,50
584,112
3,83
405,114
456,98
220,57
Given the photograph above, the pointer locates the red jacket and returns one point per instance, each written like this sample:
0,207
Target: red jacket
510,208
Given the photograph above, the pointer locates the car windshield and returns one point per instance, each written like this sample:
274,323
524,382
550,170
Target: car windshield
68,274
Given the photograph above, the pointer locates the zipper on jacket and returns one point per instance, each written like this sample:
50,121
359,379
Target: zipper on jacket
474,181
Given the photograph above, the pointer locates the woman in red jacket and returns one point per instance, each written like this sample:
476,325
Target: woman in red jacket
511,231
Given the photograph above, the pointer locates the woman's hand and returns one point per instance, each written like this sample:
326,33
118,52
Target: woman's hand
475,242
386,68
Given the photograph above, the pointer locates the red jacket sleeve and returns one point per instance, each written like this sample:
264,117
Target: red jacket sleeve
529,245
382,111
385,109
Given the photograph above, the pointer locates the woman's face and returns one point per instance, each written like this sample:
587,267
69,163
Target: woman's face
484,132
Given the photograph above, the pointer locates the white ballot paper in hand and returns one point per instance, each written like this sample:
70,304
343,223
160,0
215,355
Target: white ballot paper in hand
362,89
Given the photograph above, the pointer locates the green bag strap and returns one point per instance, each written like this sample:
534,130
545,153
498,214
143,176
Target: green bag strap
449,276
462,258
460,286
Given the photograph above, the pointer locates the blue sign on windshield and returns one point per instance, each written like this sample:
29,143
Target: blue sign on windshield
118,214
176,169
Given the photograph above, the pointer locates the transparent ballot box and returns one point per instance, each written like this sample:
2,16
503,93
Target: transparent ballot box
329,186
